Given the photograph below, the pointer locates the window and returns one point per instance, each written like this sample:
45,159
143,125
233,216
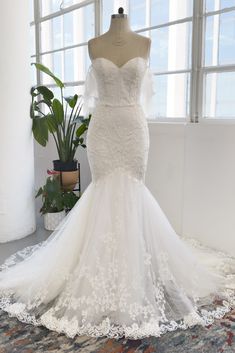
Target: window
218,67
169,25
192,53
62,29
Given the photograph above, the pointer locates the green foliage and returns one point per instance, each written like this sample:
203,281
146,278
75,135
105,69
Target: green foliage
54,198
49,73
58,117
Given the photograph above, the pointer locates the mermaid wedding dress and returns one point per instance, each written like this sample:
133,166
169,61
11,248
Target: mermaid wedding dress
114,266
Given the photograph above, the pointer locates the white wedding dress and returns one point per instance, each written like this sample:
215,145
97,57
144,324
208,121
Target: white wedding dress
114,266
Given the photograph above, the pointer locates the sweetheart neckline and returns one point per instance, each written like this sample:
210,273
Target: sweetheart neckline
122,66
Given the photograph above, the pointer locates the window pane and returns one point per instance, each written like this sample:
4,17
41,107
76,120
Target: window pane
138,11
83,25
50,6
68,65
211,40
57,65
220,39
32,40
33,74
172,95
72,90
70,29
89,22
51,34
171,47
47,60
219,95
227,38
215,5
31,9
163,11
56,91
226,3
108,10
145,13
57,37
76,64
46,36
211,5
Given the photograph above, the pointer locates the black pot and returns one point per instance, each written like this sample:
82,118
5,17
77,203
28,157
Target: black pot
65,166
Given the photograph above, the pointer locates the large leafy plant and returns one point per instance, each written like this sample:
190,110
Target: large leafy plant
54,199
59,117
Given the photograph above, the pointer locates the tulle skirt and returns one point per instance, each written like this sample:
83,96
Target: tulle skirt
115,267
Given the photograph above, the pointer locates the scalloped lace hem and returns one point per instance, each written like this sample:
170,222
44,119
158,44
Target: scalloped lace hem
107,329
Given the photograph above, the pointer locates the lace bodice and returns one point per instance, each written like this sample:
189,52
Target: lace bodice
108,84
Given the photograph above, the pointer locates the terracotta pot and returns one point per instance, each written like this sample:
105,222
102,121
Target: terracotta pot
69,179
69,173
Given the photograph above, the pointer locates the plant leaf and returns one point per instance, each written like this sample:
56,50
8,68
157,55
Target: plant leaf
40,130
45,92
72,100
32,91
40,191
48,72
51,123
58,111
82,119
81,129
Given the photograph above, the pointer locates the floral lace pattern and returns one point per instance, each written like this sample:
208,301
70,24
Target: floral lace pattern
114,266
133,84
111,291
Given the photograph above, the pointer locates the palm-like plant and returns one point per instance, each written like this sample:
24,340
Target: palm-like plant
49,115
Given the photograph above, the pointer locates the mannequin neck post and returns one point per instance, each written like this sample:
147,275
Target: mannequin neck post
119,25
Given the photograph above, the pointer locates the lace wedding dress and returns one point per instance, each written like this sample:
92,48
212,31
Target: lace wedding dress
114,266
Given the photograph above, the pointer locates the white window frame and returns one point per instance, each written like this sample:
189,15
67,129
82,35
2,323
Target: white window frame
203,70
197,71
37,22
170,72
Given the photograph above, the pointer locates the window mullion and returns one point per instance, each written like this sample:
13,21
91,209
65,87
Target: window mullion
219,12
37,38
63,52
148,15
98,16
196,88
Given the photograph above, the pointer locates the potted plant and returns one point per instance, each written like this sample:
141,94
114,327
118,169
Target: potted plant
60,118
56,202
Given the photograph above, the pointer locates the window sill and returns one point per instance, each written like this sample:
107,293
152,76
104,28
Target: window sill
182,121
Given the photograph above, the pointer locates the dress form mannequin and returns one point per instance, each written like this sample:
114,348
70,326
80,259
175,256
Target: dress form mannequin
119,44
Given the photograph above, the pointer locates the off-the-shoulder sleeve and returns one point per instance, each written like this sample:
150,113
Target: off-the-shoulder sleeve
90,94
147,93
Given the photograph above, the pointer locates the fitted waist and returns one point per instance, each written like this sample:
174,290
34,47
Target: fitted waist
113,105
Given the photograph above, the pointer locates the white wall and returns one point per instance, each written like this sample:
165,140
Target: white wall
17,206
209,185
191,172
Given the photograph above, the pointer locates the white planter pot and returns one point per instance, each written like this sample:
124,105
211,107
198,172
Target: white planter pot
51,220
